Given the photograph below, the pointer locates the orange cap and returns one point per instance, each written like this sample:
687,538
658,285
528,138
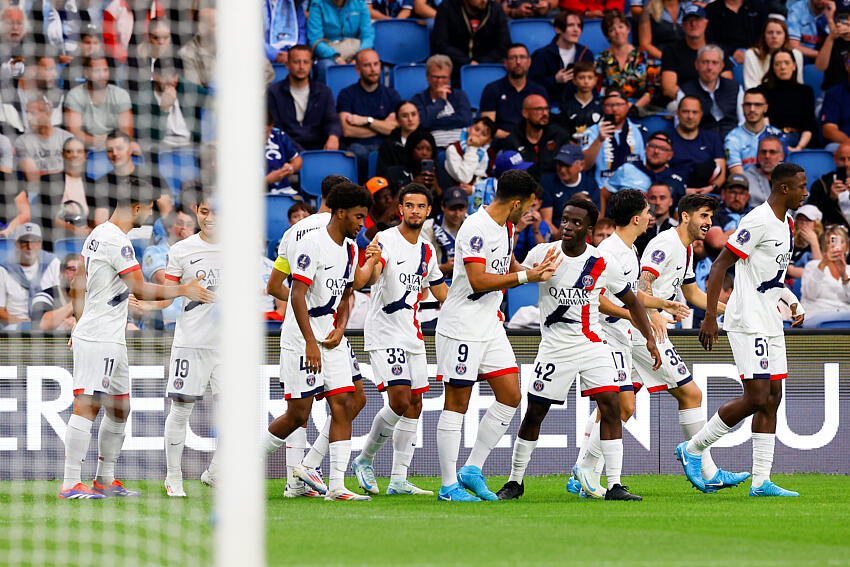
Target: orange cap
376,184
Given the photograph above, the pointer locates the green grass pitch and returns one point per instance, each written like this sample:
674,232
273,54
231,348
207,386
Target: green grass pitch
674,525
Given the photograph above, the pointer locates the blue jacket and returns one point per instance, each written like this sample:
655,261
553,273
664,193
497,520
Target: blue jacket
328,22
429,111
284,25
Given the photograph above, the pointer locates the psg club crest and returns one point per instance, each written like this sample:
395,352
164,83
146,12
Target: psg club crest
396,369
311,379
658,256
621,375
683,369
178,383
460,369
763,363
303,262
356,364
743,236
587,280
538,385
105,383
476,243
127,252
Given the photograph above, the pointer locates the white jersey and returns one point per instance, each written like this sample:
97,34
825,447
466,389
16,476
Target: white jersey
328,269
569,300
108,254
296,232
197,323
670,262
466,314
407,270
764,245
619,256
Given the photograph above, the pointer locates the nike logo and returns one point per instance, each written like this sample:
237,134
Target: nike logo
383,436
627,273
685,458
329,268
777,244
678,267
494,249
702,148
398,262
505,424
195,261
559,194
173,444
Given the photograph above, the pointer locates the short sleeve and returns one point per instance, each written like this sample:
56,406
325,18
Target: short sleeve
746,237
122,257
74,101
21,150
690,274
153,260
122,101
469,245
289,150
174,268
615,281
435,276
50,279
306,261
281,264
3,276
654,260
535,255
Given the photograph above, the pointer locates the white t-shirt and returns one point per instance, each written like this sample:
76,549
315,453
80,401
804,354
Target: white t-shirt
300,98
569,300
468,315
177,134
619,256
190,258
107,255
328,269
15,298
764,245
296,232
567,55
407,270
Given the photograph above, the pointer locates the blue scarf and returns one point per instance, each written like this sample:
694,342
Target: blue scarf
283,24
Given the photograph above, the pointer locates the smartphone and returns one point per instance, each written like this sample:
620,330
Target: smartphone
609,118
570,66
841,173
428,166
833,241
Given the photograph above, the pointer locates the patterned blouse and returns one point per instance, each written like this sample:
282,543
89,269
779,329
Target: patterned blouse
635,79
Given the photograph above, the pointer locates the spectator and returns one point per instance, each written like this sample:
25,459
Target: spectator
660,197
698,156
39,152
6,155
624,66
807,26
168,109
552,64
502,99
732,24
425,9
835,112
386,9
61,206
757,59
121,25
825,286
829,193
441,231
734,199
299,210
366,109
15,45
157,45
468,160
470,32
199,55
24,274
39,82
303,108
442,110
771,153
90,44
420,165
95,108
283,160
832,55
582,109
561,186
722,98
485,190
591,8
284,25
391,151
637,175
603,228
790,105
518,9
530,231
205,182
14,205
659,26
56,312
383,213
337,30
807,232
611,143
741,143
535,138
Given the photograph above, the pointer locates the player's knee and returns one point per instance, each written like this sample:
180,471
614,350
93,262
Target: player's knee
512,398
771,405
627,409
415,407
358,401
300,413
400,402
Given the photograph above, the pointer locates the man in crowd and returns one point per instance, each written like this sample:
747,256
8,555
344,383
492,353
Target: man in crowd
660,197
442,110
502,99
829,193
698,156
611,143
199,54
55,312
470,32
732,208
741,144
771,153
441,232
721,98
24,274
568,180
535,138
95,108
551,65
733,24
39,152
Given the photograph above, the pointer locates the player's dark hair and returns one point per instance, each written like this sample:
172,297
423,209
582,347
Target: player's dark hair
515,184
331,181
624,205
694,202
783,173
115,134
415,189
580,203
132,189
347,196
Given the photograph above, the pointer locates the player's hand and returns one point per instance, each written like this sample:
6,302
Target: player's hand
71,343
196,292
545,269
798,314
333,339
708,332
313,358
373,251
653,352
678,310
658,323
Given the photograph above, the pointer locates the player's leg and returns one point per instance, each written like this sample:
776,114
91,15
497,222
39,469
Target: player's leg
340,446
77,440
175,439
296,446
404,436
526,441
611,441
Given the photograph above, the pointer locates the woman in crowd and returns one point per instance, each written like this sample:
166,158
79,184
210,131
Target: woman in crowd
757,59
420,166
337,30
391,151
807,233
791,105
659,26
622,65
826,282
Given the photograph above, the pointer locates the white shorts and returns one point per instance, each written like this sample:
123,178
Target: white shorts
672,373
335,377
101,368
462,363
622,356
554,375
355,364
398,367
758,356
189,372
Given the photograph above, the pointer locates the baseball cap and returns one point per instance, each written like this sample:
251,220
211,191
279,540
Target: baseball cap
842,7
454,196
693,10
376,184
569,154
612,93
508,160
811,212
28,231
89,28
737,180
663,136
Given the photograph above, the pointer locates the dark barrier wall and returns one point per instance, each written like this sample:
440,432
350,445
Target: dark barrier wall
813,433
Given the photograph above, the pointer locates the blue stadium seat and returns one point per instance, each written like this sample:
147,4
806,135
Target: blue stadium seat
399,42
815,162
340,76
835,324
6,246
98,165
280,71
409,80
473,79
177,166
521,296
592,36
373,165
738,74
65,246
813,78
139,245
533,33
654,123
319,163
277,218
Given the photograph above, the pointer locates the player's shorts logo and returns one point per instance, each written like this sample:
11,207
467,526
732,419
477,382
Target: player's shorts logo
657,256
311,379
460,369
743,236
105,383
396,369
683,369
587,281
303,262
621,376
127,252
538,385
763,363
476,243
178,383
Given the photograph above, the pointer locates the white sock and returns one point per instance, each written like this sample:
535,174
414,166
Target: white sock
594,448
708,435
763,444
612,450
319,449
271,443
521,458
175,438
213,466
110,438
296,445
597,470
404,444
382,429
494,424
340,454
77,439
691,421
588,429
448,444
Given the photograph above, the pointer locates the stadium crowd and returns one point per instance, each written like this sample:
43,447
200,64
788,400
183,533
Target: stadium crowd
678,98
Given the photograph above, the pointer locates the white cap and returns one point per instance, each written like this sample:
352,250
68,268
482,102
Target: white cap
811,212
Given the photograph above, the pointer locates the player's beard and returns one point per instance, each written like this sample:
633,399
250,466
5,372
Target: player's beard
413,226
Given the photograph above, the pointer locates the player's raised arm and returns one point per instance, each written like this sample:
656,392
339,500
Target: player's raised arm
708,331
371,270
149,291
480,280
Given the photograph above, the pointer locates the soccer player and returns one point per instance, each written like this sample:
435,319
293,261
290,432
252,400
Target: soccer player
760,249
194,352
471,340
400,266
573,343
317,310
101,370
